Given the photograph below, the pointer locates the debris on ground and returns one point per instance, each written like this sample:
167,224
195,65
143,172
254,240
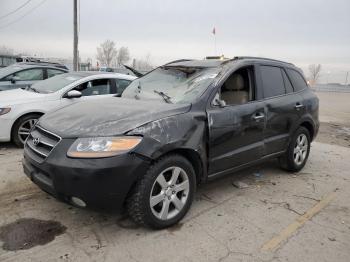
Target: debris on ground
257,174
240,184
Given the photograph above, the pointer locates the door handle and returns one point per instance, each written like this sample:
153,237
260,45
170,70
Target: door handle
298,106
258,116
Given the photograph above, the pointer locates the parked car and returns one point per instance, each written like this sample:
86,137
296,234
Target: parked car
125,71
180,125
25,74
20,108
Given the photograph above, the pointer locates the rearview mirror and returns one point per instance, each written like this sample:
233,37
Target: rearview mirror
14,79
73,94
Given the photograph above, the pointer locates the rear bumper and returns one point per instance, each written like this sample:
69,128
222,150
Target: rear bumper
100,183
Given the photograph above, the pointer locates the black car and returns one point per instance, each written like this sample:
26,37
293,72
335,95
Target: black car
178,126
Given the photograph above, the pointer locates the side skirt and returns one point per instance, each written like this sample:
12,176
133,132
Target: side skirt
237,168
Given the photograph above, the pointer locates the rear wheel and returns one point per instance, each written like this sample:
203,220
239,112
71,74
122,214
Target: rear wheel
22,127
298,151
164,195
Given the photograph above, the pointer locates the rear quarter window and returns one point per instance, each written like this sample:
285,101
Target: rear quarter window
297,79
287,83
272,80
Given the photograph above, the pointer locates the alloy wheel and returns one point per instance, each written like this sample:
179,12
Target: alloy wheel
169,193
24,129
300,149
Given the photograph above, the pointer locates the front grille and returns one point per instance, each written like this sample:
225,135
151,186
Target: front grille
41,142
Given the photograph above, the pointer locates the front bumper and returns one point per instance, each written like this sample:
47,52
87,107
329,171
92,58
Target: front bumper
5,129
100,183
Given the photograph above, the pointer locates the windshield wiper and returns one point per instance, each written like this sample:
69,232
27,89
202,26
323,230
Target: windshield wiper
166,98
32,88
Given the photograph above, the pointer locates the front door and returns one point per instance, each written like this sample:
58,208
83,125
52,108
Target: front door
236,123
93,89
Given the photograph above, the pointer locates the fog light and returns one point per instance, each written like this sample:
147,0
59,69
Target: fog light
78,202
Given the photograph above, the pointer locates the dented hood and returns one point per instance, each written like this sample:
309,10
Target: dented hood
107,117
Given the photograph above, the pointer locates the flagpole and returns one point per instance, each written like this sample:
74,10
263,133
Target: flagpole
214,33
216,53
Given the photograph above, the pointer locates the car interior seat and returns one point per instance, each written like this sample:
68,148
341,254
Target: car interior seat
234,90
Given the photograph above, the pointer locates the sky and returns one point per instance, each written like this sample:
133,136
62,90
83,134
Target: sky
303,32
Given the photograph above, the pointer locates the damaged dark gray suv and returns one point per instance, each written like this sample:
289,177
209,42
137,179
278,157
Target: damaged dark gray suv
180,125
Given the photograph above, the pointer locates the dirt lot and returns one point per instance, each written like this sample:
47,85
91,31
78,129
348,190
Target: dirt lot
278,217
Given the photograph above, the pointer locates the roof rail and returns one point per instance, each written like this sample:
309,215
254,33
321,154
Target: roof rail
177,61
45,63
260,58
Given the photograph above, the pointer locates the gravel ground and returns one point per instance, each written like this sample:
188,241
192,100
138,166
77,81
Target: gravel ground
276,216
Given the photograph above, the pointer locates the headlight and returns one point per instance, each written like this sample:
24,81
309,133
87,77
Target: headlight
98,147
4,110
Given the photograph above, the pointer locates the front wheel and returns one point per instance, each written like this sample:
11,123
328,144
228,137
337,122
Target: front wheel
164,195
22,127
298,151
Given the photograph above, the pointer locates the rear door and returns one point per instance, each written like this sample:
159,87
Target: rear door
282,107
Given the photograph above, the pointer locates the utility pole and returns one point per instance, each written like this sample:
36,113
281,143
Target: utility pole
75,44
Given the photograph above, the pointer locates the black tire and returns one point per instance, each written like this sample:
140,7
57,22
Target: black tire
15,129
287,161
138,204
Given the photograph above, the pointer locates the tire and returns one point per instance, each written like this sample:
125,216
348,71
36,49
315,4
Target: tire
21,127
174,194
297,153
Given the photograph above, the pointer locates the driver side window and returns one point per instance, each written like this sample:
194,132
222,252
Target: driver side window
95,87
238,88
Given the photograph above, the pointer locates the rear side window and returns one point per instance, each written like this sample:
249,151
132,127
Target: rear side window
298,81
287,84
272,81
53,72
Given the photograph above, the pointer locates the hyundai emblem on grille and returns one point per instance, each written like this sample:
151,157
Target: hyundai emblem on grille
36,141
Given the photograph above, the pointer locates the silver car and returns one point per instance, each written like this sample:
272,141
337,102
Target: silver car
23,75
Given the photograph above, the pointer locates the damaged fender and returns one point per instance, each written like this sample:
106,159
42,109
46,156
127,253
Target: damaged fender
183,132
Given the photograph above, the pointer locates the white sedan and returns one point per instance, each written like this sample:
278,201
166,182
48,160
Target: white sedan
20,108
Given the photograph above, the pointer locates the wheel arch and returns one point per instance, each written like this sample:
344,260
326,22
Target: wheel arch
310,127
23,115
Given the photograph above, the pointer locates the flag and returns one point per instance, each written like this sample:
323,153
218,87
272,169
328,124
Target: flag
214,31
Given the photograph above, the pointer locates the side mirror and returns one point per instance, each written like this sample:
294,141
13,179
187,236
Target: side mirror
14,79
218,102
73,94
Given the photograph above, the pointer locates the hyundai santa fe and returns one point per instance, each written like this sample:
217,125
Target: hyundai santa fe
180,125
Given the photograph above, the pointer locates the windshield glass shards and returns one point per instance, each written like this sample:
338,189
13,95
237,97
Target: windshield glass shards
172,84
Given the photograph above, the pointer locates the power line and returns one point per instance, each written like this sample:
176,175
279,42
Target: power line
14,11
20,18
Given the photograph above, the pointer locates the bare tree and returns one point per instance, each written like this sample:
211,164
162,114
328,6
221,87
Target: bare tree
106,53
123,55
143,64
315,71
4,50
